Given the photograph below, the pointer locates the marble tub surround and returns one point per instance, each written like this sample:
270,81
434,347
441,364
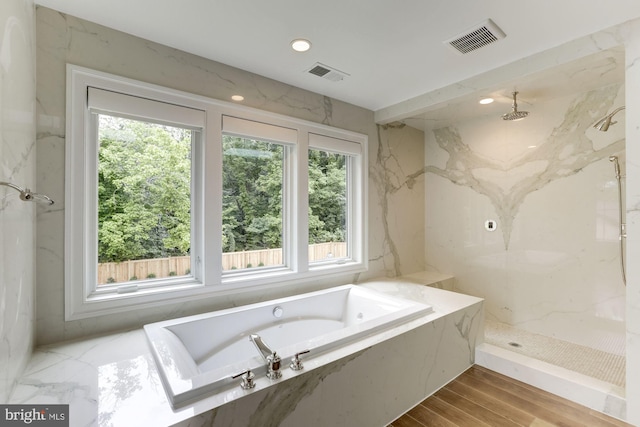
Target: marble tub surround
17,165
396,224
193,364
112,380
426,278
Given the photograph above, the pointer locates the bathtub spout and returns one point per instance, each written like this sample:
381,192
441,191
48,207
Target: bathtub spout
272,359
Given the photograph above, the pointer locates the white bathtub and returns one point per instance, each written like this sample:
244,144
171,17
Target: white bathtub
198,355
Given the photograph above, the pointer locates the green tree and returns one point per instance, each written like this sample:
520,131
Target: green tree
144,192
327,197
252,194
144,179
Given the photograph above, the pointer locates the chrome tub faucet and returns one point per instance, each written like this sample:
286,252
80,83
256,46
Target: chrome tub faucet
272,359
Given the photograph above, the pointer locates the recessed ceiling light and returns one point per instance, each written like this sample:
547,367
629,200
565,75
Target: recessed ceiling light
237,97
300,45
485,101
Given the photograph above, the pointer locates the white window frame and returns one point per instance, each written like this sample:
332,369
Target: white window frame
207,279
355,209
288,138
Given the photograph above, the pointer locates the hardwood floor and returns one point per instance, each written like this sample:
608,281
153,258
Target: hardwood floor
480,397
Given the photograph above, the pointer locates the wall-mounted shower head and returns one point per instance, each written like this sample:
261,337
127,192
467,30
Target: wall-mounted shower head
604,123
515,114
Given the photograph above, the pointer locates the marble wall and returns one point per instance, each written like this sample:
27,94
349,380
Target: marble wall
560,269
632,129
396,200
17,165
551,265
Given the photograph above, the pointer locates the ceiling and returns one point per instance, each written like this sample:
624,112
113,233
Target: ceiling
590,72
392,51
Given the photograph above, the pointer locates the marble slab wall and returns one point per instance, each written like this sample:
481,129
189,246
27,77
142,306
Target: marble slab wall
551,265
17,165
396,200
632,82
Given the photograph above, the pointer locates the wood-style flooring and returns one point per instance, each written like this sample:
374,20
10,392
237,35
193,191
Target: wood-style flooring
480,397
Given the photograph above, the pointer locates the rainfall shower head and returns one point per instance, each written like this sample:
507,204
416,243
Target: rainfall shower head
604,123
515,114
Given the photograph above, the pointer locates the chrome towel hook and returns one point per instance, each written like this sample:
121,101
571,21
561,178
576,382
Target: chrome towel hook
28,195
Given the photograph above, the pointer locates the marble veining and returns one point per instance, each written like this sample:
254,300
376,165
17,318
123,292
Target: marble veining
63,39
280,402
388,172
465,325
551,266
112,380
632,130
17,165
508,182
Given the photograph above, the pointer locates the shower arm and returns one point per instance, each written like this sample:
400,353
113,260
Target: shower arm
614,112
617,110
604,123
28,195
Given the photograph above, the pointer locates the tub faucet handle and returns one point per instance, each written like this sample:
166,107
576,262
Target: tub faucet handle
296,364
246,380
273,366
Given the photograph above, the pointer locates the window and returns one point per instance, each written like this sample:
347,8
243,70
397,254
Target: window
172,197
144,200
251,202
255,168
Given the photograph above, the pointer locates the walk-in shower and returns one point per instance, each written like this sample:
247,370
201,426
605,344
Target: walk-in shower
558,321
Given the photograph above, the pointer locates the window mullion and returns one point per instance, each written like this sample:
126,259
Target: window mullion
211,193
301,206
91,206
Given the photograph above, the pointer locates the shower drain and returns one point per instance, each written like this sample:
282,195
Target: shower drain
515,344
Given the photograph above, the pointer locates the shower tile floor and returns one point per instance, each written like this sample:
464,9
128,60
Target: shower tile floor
602,365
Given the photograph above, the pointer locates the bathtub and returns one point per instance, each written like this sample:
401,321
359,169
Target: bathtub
198,355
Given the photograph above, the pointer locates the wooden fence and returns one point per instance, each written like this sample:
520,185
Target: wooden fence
118,272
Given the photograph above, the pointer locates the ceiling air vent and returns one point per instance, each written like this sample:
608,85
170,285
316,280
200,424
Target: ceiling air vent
479,36
326,72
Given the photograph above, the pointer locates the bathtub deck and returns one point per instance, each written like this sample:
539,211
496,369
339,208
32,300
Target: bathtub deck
480,397
114,377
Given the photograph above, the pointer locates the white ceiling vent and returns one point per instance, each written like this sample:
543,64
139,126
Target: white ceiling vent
326,72
479,36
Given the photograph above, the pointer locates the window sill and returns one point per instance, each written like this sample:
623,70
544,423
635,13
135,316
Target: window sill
182,291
